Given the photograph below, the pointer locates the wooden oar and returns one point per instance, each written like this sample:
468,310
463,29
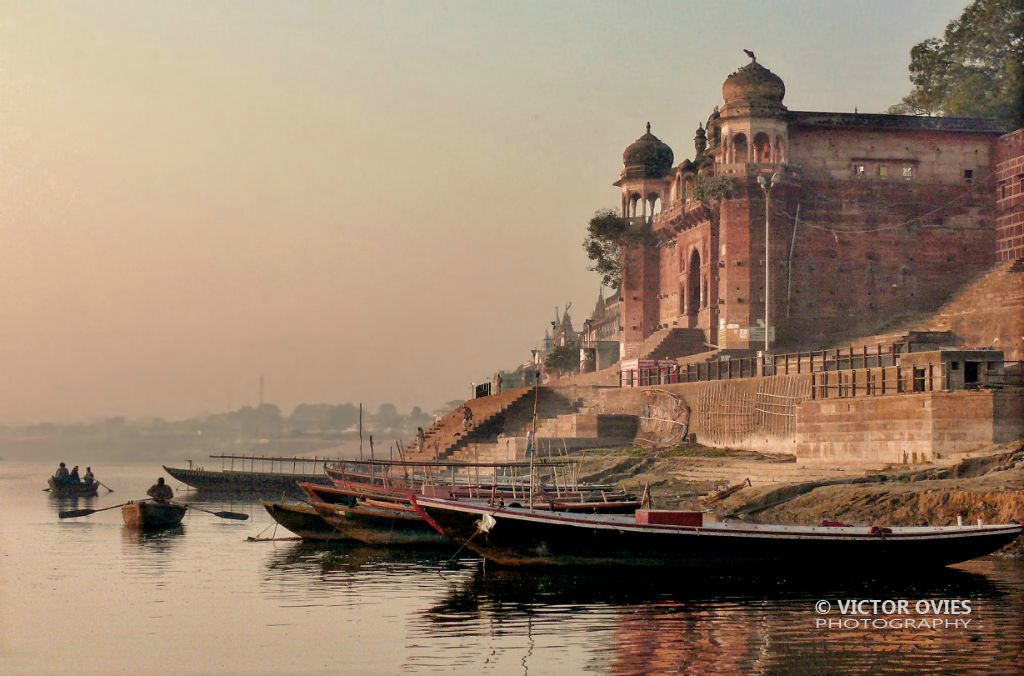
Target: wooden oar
105,486
224,515
74,513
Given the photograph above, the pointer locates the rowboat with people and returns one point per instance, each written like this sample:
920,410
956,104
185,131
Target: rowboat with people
72,490
687,540
152,515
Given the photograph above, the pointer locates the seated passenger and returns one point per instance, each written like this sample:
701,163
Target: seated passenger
88,478
74,478
62,476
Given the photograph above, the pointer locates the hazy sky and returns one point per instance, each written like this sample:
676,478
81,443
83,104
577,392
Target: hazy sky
376,201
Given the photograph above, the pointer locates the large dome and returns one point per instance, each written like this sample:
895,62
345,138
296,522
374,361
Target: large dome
647,157
755,86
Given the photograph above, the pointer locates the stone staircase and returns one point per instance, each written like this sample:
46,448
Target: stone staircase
673,343
446,435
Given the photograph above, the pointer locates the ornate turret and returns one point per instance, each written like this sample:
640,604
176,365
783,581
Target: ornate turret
647,157
700,140
753,90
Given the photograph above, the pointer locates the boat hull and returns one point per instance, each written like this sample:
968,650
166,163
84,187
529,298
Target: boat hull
152,515
380,526
523,538
81,490
302,520
270,484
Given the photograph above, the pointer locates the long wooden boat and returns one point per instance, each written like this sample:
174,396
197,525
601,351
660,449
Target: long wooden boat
69,490
619,502
303,520
271,484
149,515
520,537
328,494
379,525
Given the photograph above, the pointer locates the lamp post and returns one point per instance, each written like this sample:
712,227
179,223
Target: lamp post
766,185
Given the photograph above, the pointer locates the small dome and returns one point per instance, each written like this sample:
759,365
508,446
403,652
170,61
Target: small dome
647,157
753,84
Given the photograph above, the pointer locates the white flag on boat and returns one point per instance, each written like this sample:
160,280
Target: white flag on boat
486,523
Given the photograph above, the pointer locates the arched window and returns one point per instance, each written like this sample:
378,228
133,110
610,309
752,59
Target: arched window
762,147
688,184
654,203
739,148
780,155
693,284
636,205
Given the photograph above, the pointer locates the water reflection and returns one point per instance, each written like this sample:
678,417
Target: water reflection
656,622
60,503
150,553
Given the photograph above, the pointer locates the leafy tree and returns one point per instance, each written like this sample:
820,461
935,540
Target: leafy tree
709,189
975,69
607,235
564,359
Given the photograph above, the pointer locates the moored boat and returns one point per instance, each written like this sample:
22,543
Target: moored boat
72,490
303,520
380,524
329,494
562,501
151,515
684,540
237,481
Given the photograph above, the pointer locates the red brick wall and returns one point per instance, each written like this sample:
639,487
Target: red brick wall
1009,187
868,251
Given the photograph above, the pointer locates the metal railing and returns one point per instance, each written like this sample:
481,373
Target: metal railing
790,363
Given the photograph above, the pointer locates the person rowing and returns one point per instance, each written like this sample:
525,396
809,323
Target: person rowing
160,492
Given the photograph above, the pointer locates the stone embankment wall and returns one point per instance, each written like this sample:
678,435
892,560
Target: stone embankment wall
906,428
777,415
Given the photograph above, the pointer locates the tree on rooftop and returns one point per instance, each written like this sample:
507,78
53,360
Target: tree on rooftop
564,359
975,69
607,235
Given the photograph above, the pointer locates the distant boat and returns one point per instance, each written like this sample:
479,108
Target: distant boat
303,520
152,515
683,540
69,490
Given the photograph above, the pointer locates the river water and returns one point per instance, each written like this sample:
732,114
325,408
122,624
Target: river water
88,596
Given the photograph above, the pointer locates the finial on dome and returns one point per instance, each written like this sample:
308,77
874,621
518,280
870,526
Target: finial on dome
648,127
750,54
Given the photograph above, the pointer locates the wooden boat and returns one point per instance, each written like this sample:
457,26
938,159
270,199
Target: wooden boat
303,520
69,490
618,502
150,515
328,494
520,537
237,481
379,524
